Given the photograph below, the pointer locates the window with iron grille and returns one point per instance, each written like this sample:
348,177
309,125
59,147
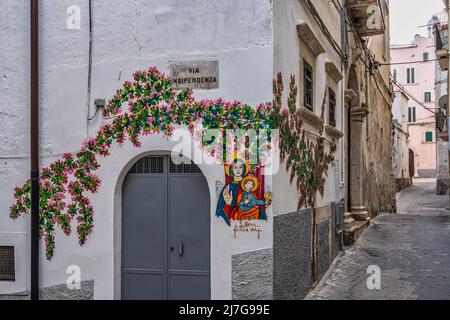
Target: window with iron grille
394,75
332,107
7,264
426,56
308,85
427,97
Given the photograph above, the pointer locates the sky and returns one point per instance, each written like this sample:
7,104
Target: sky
407,15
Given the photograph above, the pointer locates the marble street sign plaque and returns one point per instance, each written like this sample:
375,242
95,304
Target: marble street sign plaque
195,74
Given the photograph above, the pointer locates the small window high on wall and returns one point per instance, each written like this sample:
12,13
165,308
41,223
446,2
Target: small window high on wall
308,78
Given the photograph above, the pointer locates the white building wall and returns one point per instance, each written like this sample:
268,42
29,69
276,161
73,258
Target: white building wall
126,37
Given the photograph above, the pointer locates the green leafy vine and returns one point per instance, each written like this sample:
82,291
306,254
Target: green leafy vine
154,107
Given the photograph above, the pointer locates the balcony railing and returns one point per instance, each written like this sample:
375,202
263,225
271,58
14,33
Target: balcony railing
368,16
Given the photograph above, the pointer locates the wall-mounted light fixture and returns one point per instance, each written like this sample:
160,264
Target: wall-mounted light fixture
99,104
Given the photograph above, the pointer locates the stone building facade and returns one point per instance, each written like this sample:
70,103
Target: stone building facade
248,43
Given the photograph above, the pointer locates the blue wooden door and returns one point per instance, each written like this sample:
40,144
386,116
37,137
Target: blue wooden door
165,231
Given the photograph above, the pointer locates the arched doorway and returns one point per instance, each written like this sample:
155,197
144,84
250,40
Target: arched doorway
165,231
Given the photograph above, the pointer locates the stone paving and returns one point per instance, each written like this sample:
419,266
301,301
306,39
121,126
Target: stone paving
411,248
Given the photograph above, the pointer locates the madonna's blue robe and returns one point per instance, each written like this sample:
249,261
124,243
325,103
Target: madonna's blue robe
220,212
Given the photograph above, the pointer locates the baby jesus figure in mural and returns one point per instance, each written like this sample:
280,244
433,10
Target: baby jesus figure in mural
240,199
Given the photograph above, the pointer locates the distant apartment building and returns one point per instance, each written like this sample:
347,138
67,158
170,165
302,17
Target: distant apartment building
413,73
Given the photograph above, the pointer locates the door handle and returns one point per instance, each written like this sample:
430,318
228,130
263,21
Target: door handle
181,249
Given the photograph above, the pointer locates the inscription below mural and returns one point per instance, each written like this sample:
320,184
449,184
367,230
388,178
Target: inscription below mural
195,75
243,197
247,227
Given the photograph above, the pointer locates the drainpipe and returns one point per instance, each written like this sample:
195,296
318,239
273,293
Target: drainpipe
34,149
343,87
368,74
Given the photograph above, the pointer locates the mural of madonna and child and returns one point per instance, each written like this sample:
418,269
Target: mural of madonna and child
243,197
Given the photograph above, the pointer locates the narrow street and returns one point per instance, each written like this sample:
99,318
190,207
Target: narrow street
411,248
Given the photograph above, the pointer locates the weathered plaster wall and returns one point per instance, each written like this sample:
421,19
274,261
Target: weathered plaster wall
253,275
126,37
